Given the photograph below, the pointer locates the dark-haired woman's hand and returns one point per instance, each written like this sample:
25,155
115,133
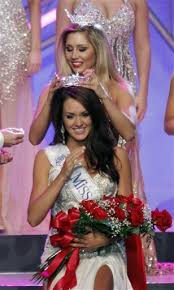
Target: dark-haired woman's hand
75,158
91,81
91,241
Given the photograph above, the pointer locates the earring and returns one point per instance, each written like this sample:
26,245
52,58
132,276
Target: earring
63,134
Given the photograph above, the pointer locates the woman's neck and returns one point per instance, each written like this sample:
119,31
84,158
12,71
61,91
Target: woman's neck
72,144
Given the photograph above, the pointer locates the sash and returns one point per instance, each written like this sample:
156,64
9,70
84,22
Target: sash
80,183
81,186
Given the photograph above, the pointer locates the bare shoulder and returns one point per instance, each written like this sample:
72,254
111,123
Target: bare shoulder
41,160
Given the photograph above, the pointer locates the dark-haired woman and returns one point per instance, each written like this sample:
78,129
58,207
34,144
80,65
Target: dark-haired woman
83,138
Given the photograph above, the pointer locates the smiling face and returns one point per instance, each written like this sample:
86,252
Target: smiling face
77,120
79,52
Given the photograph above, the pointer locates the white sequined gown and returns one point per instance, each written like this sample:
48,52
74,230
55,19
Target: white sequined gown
68,198
118,30
15,177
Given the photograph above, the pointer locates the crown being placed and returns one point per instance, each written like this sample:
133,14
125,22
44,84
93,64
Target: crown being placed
72,80
82,20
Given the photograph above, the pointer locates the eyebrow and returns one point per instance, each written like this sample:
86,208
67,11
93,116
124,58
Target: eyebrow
74,113
78,45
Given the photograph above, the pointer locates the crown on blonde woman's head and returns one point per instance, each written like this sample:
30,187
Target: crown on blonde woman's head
82,20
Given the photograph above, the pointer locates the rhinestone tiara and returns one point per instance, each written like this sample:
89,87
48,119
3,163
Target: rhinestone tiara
82,20
72,80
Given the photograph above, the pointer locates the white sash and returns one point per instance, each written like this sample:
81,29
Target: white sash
80,182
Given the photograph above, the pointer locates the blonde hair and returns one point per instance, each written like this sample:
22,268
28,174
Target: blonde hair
104,67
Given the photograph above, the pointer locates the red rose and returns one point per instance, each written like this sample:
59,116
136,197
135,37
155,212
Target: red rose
99,213
122,199
163,219
136,217
119,213
137,202
73,215
89,205
134,203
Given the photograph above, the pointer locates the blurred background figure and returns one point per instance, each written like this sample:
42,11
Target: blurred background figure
9,137
20,57
169,115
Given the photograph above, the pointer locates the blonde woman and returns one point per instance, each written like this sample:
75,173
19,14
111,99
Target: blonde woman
120,19
91,50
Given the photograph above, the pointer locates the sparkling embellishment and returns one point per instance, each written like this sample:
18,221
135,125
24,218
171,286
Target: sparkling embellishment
118,31
14,47
66,198
82,20
72,80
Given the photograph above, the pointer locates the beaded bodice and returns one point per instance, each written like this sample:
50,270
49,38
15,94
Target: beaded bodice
14,47
101,185
118,30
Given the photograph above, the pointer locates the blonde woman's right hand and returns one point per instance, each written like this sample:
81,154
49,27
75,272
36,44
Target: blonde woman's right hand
75,158
54,85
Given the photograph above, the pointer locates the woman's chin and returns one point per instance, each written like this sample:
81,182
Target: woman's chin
80,138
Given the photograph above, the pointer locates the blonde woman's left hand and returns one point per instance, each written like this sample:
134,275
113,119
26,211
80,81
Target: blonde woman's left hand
34,62
92,82
91,241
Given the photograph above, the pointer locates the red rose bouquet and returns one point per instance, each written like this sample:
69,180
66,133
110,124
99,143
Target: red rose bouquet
116,217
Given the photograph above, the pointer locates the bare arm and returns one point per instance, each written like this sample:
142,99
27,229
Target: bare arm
34,60
62,20
42,196
108,95
169,115
41,120
123,101
142,51
120,122
123,166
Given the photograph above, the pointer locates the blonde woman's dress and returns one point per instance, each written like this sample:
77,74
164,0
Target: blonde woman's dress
16,111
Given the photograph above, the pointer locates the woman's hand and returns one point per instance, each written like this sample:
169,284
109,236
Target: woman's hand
91,241
5,157
91,81
54,85
34,62
75,158
141,107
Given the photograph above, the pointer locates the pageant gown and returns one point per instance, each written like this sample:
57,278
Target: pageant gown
70,196
118,30
16,111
